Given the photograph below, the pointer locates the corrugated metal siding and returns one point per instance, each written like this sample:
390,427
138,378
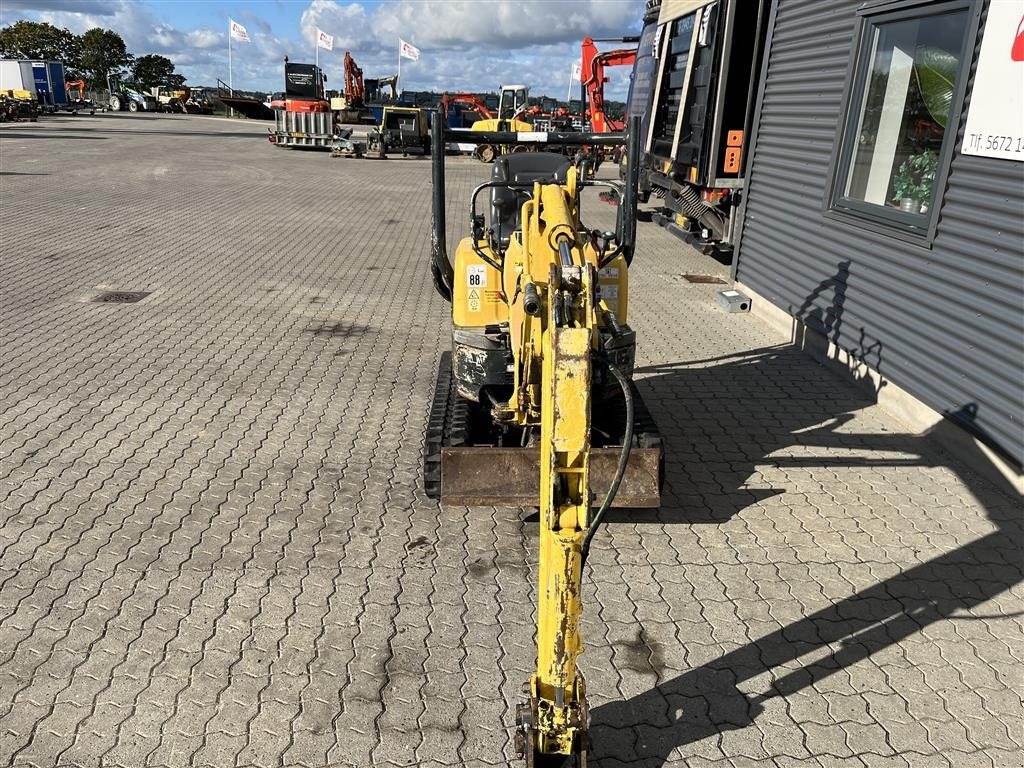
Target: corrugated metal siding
945,324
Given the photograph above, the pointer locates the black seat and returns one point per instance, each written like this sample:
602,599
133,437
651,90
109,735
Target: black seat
520,168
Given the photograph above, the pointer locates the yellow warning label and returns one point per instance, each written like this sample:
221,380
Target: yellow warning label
492,297
474,300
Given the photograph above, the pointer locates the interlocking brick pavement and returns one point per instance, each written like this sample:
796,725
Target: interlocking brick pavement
215,550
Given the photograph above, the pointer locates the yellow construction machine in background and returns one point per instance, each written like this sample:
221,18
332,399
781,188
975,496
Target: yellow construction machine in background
400,129
18,105
540,335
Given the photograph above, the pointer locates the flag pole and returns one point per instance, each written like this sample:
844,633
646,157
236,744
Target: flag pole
568,95
231,81
398,77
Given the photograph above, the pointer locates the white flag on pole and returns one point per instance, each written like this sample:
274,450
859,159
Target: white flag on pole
408,50
323,40
577,71
238,31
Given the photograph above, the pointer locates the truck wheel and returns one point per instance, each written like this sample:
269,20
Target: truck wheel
487,153
115,104
133,106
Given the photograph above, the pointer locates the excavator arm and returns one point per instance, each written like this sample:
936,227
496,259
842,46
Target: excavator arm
561,334
469,99
355,92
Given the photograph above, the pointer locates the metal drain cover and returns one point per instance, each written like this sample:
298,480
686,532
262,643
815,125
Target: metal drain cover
121,297
711,279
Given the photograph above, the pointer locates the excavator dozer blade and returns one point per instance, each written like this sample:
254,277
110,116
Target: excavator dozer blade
507,477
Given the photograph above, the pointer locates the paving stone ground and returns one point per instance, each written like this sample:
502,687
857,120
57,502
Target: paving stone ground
214,548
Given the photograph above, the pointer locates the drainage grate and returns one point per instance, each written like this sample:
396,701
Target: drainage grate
121,297
704,279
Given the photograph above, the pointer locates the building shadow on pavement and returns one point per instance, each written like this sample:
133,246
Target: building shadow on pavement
723,418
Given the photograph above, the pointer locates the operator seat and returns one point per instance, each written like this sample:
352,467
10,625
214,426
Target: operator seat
520,168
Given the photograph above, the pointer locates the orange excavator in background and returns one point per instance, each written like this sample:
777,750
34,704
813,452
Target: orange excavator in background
75,89
471,100
76,98
355,90
593,64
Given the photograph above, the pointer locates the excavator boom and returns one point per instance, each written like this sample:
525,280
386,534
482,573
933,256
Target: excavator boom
594,64
355,91
540,335
471,100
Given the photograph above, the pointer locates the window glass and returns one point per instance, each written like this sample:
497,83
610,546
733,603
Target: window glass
908,85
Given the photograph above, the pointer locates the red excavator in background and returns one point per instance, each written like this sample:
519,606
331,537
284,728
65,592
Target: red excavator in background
471,100
355,90
593,78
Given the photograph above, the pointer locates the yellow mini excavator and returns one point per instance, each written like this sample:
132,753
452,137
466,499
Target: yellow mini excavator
535,405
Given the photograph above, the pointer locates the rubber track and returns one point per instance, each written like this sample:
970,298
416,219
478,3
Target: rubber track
448,425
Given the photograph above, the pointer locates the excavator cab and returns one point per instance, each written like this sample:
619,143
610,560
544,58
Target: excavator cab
513,101
534,406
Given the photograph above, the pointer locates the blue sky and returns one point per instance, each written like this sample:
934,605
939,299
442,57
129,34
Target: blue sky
465,44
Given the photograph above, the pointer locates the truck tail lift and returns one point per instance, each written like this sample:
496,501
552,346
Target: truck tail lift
701,102
535,405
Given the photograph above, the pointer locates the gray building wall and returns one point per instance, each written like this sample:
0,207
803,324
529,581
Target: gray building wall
945,323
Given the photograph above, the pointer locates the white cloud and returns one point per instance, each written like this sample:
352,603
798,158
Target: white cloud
349,24
465,44
204,38
503,24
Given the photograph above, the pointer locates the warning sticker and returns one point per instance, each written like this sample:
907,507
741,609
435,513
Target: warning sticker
609,272
476,275
610,292
492,297
473,300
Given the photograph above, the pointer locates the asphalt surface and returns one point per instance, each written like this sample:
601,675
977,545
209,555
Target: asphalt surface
215,550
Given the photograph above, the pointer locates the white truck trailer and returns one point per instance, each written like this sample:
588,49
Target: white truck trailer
43,78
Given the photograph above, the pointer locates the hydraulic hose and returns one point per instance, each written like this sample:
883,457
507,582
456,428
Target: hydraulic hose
620,470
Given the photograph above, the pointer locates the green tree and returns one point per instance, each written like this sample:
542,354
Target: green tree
153,69
39,40
103,53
